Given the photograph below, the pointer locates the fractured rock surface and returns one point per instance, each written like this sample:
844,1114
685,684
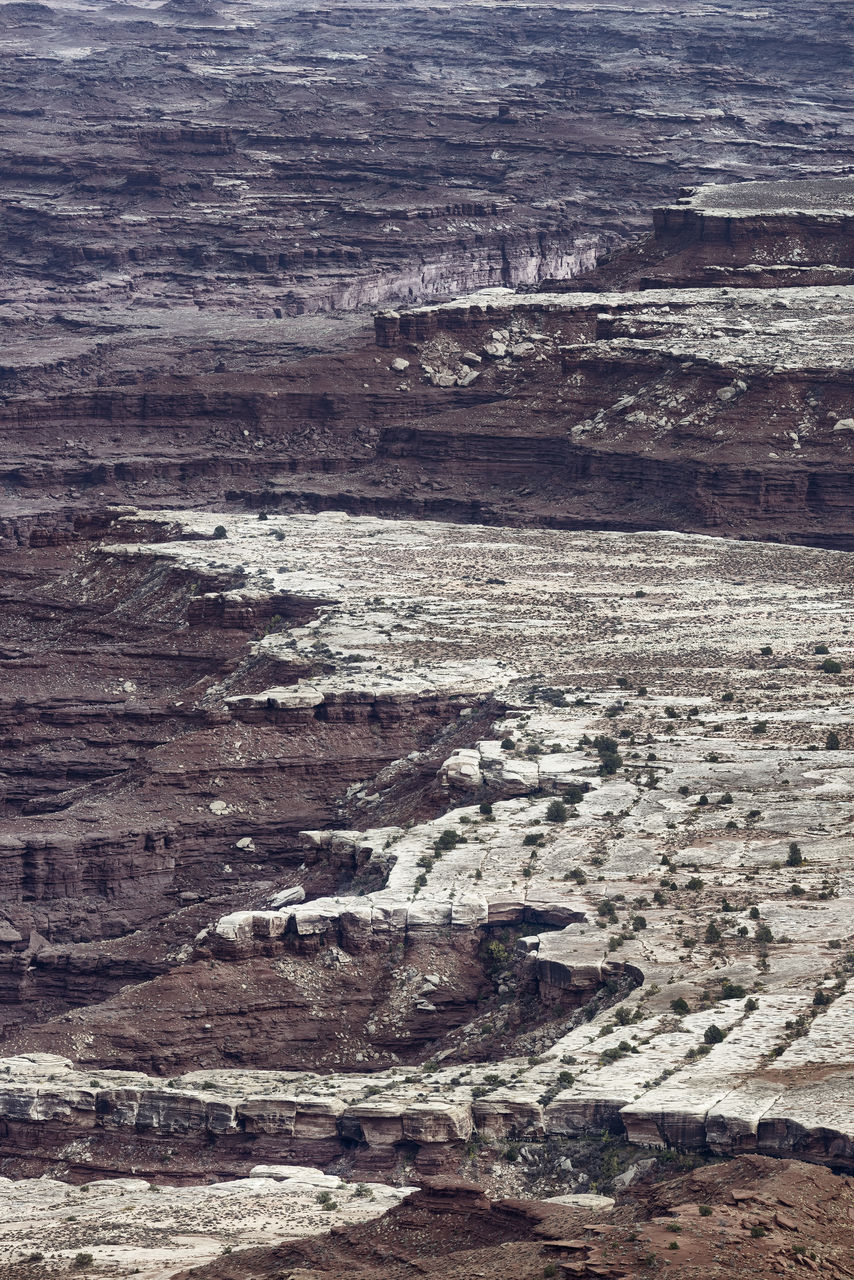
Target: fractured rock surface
665,955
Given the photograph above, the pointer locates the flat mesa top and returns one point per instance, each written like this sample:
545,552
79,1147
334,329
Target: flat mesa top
817,195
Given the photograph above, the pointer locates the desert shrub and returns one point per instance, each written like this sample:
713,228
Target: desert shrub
609,756
712,934
83,1260
795,858
219,532
713,1034
574,795
496,955
556,812
831,666
486,809
831,742
680,1006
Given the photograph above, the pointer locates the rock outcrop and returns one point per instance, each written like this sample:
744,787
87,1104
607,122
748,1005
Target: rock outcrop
505,968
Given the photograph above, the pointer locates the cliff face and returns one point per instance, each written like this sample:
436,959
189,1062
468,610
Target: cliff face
392,780
699,409
434,970
207,177
127,793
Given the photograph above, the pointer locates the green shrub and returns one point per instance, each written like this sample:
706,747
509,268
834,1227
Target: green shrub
705,1210
609,756
831,666
83,1260
712,934
831,742
219,532
795,858
556,812
680,1006
486,809
574,795
728,696
713,1035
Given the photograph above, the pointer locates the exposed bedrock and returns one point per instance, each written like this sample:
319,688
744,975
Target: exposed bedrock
629,427
621,904
134,803
207,177
758,1216
684,407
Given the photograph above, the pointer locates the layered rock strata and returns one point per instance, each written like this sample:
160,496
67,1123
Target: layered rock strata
656,818
176,183
715,409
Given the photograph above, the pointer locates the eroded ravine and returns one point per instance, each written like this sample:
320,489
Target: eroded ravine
686,790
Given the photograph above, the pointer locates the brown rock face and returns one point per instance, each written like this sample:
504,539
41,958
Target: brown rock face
210,176
125,800
763,1214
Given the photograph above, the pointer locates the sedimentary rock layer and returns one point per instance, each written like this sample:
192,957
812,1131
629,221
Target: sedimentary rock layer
613,924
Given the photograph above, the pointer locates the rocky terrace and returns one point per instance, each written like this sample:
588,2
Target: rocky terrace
651,849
